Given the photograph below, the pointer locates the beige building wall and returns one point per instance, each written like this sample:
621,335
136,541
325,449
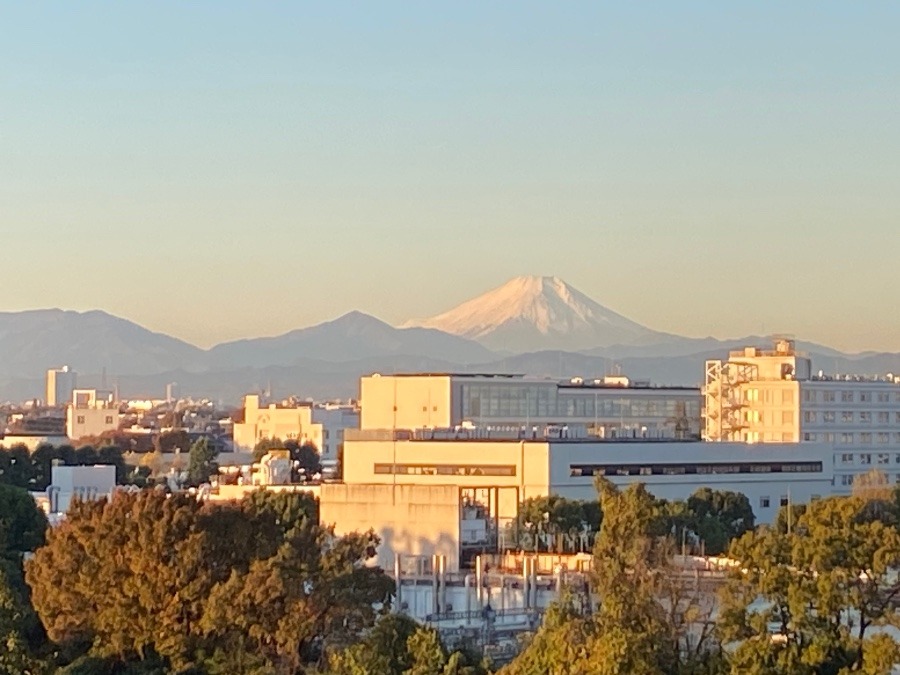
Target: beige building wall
275,422
409,519
772,411
82,422
406,402
524,465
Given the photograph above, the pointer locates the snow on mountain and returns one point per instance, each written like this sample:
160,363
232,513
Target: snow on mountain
532,313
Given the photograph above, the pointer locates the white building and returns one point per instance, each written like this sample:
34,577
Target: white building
91,413
760,396
60,384
611,407
454,492
69,482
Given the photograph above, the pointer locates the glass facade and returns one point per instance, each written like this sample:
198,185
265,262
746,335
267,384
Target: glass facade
525,402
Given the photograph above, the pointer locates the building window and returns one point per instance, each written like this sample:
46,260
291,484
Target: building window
784,500
884,418
865,458
865,397
787,437
884,458
809,396
847,417
865,438
883,397
809,416
846,439
828,417
883,438
828,396
846,480
897,417
109,419
787,396
846,397
828,437
787,416
808,436
847,458
865,417
79,419
446,469
763,502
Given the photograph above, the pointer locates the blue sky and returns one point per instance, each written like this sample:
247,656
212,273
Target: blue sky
217,170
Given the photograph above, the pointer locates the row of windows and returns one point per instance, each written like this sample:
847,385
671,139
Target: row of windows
849,417
79,419
767,396
866,458
522,401
446,469
851,438
812,396
683,469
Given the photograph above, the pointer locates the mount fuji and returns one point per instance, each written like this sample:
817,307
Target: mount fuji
532,313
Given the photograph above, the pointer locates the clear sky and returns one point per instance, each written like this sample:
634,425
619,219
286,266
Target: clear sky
217,170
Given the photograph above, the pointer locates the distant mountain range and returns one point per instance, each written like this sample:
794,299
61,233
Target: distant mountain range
537,326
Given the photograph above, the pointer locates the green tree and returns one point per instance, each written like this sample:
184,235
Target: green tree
397,645
561,646
306,455
19,628
201,462
719,516
806,602
22,524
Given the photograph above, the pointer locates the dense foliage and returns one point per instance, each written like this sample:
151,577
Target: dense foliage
811,594
171,581
31,471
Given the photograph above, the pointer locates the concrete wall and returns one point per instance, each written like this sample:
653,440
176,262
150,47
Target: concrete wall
82,422
421,401
476,463
275,422
409,519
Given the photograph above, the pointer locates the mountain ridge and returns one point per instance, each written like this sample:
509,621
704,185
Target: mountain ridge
528,313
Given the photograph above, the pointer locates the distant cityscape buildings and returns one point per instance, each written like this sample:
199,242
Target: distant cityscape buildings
438,464
60,384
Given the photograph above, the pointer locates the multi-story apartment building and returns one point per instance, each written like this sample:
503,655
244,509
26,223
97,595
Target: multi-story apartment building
761,396
612,407
91,413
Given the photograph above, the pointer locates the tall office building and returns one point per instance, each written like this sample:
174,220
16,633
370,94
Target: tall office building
60,384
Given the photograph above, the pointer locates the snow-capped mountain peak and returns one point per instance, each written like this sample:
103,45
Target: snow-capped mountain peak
530,313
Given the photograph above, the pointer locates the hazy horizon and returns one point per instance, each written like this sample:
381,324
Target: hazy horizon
221,171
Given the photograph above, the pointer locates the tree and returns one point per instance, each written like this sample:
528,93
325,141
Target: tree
22,523
562,645
19,628
823,586
306,455
201,462
397,645
647,622
719,516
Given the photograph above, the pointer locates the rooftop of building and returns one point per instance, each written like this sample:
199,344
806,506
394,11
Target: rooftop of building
605,382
